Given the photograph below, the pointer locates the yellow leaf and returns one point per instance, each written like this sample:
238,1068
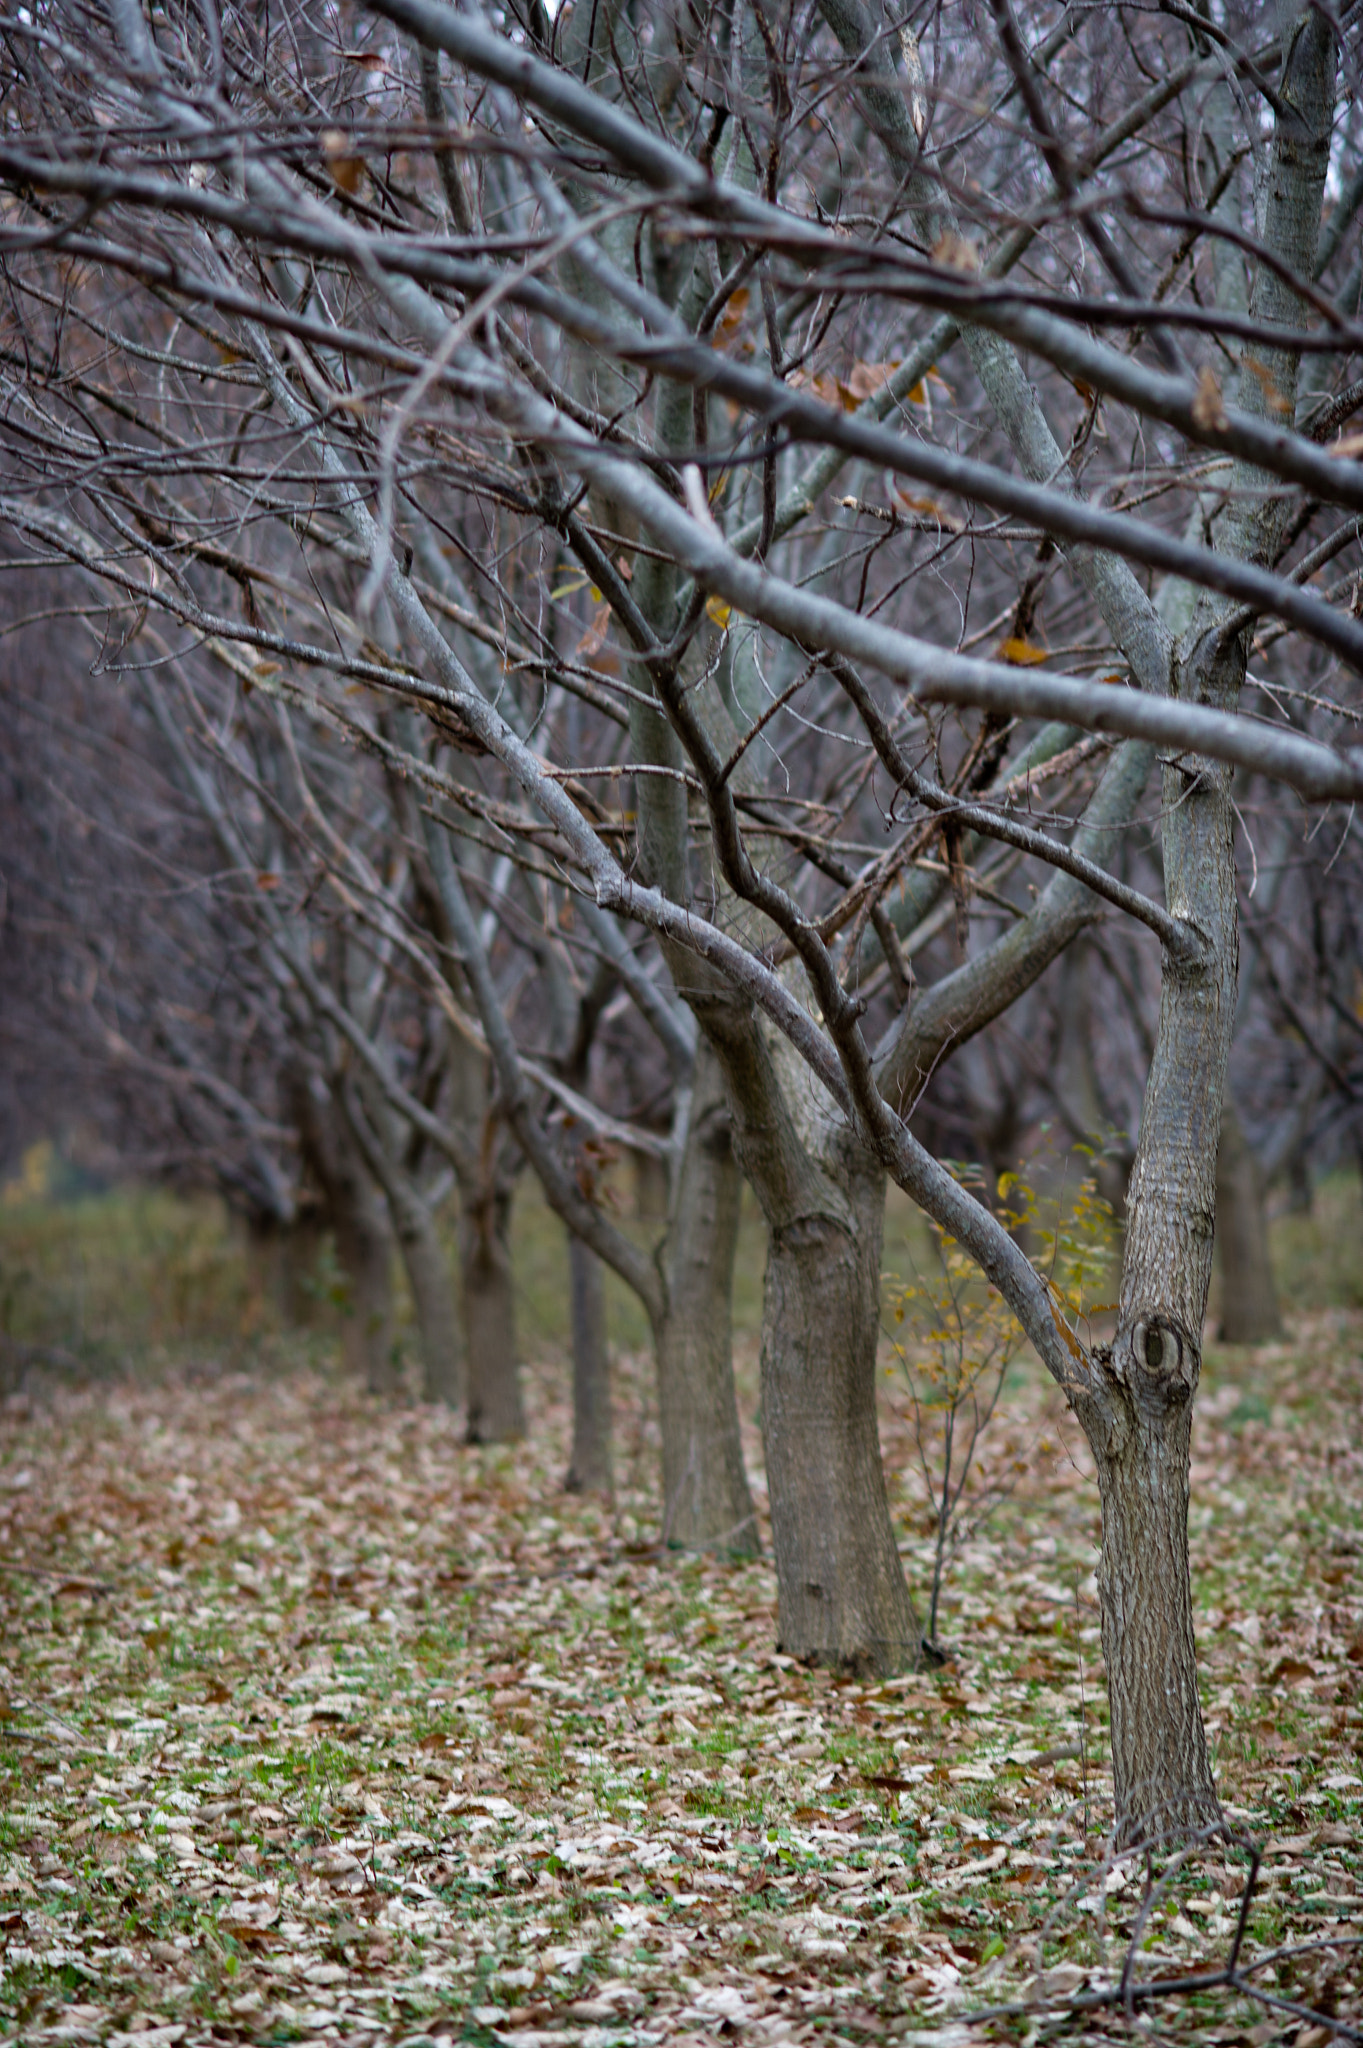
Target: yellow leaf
1065,1333
1273,397
718,611
731,319
919,393
1022,653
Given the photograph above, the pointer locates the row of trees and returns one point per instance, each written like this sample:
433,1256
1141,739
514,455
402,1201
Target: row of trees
630,573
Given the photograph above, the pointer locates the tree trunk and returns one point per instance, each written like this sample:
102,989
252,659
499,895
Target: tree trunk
1160,1765
706,1502
1137,1413
301,1293
423,1256
496,1411
1249,1300
843,1600
589,1470
359,1224
437,1316
364,1253
284,1259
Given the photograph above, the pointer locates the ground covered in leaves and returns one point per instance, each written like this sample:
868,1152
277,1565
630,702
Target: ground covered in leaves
318,1725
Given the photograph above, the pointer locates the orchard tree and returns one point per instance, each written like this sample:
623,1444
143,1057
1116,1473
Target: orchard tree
779,446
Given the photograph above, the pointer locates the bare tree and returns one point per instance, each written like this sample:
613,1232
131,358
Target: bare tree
689,406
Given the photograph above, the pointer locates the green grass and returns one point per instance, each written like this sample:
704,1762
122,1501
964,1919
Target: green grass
1318,1254
136,1273
540,1252
108,1275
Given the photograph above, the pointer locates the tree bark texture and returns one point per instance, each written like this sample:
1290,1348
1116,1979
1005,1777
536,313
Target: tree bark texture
496,1412
706,1501
1160,1767
1138,1413
1138,1416
1249,1299
589,1470
843,1600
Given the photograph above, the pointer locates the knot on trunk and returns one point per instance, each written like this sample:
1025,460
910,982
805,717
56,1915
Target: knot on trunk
1157,1361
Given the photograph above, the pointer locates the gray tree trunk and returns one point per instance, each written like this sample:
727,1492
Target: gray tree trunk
1160,1767
706,1502
1138,1416
843,1600
1138,1411
589,1470
1249,1299
496,1411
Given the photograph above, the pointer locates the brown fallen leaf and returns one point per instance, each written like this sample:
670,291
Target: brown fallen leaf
345,167
954,252
1209,412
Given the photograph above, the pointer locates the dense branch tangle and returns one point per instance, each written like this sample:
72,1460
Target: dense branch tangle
709,420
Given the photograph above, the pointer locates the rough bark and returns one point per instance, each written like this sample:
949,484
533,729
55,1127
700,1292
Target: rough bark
1137,1412
1249,1299
843,1600
589,1470
1138,1419
706,1501
496,1412
1160,1766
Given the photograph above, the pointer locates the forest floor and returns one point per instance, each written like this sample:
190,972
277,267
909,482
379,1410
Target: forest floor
318,1725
